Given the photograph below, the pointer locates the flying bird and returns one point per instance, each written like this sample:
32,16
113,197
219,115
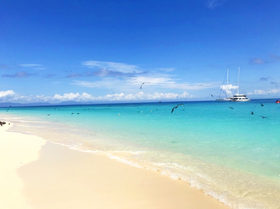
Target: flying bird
264,117
231,108
175,107
211,95
261,104
141,87
252,113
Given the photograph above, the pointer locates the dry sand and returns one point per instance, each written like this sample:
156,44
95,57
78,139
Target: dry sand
41,175
16,150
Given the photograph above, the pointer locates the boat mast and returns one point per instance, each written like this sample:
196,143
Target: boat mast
238,79
227,83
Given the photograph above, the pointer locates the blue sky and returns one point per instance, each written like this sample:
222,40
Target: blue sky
97,50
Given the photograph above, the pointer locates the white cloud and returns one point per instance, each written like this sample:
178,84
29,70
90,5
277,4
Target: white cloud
73,97
262,92
113,66
6,94
120,97
274,91
228,88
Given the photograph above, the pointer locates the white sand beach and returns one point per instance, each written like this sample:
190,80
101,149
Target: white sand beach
37,174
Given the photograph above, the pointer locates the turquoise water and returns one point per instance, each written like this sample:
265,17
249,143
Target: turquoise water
230,154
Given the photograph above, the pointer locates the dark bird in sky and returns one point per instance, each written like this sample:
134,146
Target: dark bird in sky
78,113
159,101
252,113
211,95
72,113
231,108
261,104
175,107
264,117
49,114
141,87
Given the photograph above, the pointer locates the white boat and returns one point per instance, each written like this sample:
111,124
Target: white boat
226,99
239,97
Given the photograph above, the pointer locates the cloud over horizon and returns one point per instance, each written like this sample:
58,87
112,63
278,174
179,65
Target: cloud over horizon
11,96
263,92
6,94
228,88
84,97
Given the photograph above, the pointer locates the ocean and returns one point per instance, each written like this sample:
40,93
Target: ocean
218,147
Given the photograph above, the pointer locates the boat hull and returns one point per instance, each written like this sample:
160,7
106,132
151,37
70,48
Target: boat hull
223,100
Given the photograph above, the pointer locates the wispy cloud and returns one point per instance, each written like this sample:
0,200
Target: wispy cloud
265,78
165,69
257,61
260,61
212,4
109,73
275,57
133,83
263,92
49,76
73,75
102,73
30,65
40,68
112,66
3,66
18,75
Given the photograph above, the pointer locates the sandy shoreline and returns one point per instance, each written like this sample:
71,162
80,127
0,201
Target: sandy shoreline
38,174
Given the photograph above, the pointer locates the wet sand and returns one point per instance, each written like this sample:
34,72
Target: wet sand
39,174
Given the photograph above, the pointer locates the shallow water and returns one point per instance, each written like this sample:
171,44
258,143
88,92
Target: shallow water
229,153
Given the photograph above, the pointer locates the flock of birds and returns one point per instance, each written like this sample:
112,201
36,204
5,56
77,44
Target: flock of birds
172,110
252,113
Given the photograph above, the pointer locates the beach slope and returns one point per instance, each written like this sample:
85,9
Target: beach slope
39,174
